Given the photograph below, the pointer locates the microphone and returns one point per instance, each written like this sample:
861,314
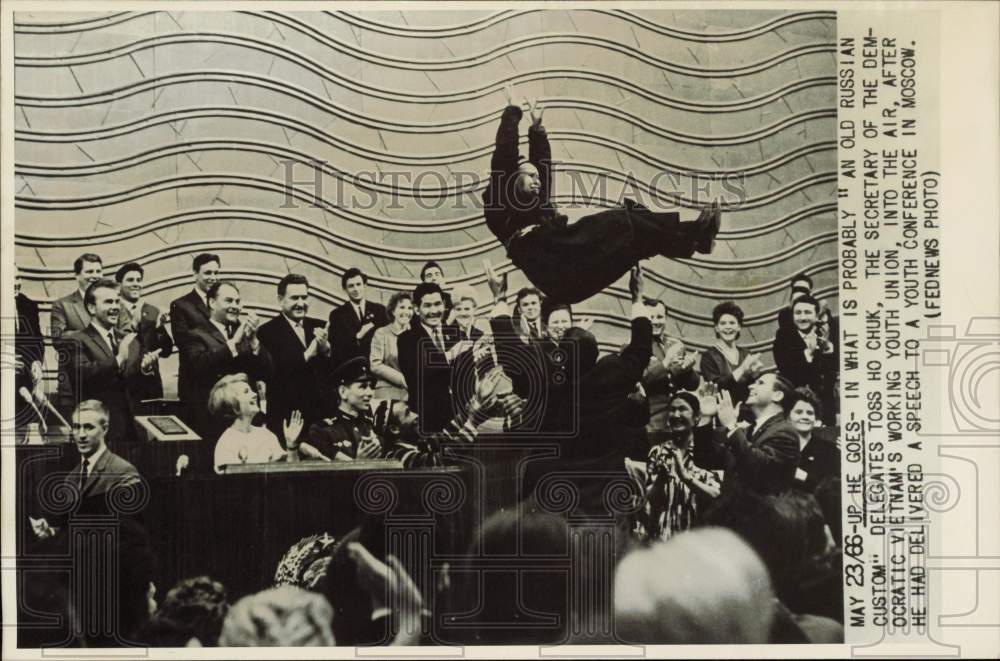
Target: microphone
182,463
51,408
26,396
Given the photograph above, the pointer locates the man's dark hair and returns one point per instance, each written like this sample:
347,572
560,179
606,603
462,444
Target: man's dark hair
85,257
549,306
352,272
806,298
204,258
425,288
213,290
428,266
199,605
524,292
291,279
128,268
787,390
727,307
802,277
103,283
804,394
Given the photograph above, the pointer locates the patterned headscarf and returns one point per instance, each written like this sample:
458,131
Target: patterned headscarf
305,561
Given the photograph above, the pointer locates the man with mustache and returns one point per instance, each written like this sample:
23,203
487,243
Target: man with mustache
573,261
104,363
423,360
228,346
805,352
299,346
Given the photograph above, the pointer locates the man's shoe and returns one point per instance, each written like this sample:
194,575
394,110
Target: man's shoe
711,220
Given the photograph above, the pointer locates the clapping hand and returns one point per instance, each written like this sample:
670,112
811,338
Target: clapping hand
708,397
727,413
390,586
148,360
497,282
321,336
487,394
369,448
292,428
508,93
123,348
41,528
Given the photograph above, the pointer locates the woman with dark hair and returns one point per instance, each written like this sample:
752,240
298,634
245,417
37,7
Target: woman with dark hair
234,401
819,456
730,367
391,383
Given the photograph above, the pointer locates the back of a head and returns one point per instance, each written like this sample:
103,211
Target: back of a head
200,604
701,587
286,616
585,345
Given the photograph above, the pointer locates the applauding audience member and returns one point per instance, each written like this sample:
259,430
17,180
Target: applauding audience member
819,457
423,360
725,364
29,353
349,433
300,354
234,402
148,323
671,368
353,323
805,352
385,352
190,311
70,313
227,346
761,458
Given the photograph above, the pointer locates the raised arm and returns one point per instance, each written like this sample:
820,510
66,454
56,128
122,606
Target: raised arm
539,152
505,152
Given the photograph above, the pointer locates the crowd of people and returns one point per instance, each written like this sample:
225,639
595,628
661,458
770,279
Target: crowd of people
731,530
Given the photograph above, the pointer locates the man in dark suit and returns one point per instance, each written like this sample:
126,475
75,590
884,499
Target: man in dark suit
300,353
105,364
226,347
29,352
190,311
423,360
761,458
145,320
805,352
353,323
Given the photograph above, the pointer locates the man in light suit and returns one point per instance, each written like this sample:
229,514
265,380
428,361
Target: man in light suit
300,352
69,312
148,323
226,347
353,323
105,364
760,459
423,360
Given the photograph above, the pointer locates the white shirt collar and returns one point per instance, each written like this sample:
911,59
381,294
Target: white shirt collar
759,422
92,459
202,295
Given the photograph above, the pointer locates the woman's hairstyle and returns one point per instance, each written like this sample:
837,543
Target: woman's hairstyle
395,300
464,292
727,307
804,394
223,400
549,306
199,605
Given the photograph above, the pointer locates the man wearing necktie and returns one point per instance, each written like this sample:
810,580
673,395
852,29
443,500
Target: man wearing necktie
103,364
353,323
761,458
529,309
300,352
423,360
145,320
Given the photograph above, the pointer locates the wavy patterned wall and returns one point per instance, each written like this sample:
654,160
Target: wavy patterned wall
155,135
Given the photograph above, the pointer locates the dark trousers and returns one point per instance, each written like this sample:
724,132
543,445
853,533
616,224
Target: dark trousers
573,263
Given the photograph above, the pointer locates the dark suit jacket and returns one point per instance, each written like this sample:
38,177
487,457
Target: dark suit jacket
205,359
93,373
186,314
428,377
29,347
110,472
152,337
68,314
789,356
463,367
344,327
294,383
819,460
765,462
